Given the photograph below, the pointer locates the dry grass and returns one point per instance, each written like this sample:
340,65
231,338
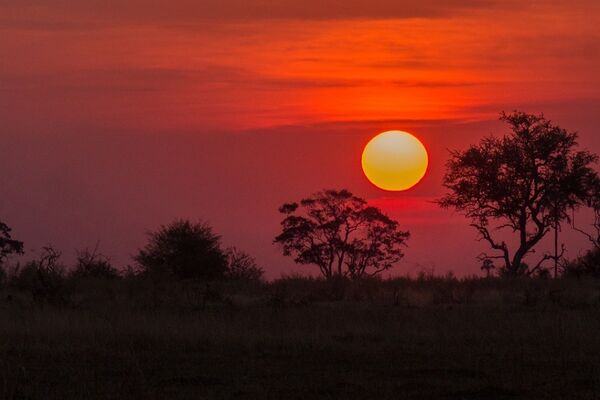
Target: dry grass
306,339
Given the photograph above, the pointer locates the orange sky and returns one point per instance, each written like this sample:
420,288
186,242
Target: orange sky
287,89
135,69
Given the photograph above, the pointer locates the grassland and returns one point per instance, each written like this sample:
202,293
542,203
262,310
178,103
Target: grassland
305,339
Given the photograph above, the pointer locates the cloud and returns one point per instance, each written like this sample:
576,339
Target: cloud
142,79
96,80
121,78
91,14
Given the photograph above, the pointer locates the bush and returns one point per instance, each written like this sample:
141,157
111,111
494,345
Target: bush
44,278
242,267
587,265
183,250
8,245
94,265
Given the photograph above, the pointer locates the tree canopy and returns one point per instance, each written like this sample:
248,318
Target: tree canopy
526,182
341,234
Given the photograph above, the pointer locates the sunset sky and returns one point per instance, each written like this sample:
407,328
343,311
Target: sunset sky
120,116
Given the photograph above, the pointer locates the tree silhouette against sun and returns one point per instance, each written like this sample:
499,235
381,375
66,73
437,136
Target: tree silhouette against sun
341,234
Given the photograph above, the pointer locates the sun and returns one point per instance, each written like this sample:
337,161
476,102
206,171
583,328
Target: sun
395,160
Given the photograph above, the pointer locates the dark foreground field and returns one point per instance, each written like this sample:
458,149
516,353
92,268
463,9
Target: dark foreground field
432,339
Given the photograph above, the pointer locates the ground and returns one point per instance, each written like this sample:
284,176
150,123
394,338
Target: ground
533,342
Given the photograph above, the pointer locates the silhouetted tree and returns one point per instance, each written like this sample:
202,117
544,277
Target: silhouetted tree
91,264
594,204
8,245
526,181
586,265
341,234
488,266
242,267
44,277
183,250
589,263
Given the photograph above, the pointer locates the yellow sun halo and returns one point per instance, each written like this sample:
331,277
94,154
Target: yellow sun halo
395,160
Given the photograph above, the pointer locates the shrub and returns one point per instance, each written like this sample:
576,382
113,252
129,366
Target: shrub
8,245
242,267
94,265
183,250
44,278
587,265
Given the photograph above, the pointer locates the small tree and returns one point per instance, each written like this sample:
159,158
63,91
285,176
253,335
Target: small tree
183,250
8,245
43,277
525,182
91,264
341,234
487,266
242,267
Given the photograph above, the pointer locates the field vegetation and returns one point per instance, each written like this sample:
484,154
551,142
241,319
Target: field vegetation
105,337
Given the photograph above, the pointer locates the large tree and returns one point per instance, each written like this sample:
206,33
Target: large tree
8,245
525,182
341,234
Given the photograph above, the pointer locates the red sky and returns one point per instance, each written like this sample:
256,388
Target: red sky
119,117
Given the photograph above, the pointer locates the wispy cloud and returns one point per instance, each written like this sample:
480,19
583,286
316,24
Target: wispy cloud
249,64
90,14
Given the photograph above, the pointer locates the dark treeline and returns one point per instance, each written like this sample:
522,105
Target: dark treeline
180,252
184,266
94,284
527,182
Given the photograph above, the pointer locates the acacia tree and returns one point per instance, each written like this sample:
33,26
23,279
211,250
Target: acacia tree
8,245
525,182
341,234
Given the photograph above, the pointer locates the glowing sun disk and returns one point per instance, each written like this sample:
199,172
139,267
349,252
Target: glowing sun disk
395,160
